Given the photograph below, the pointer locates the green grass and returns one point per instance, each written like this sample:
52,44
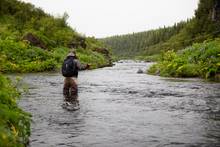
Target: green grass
199,60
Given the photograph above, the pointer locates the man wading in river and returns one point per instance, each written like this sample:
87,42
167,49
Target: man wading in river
70,68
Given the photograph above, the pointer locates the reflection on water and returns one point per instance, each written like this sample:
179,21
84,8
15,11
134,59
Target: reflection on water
119,107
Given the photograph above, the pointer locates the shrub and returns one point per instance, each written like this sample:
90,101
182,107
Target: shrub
21,57
14,122
188,70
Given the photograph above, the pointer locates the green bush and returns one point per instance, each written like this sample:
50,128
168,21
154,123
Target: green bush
188,70
14,122
22,57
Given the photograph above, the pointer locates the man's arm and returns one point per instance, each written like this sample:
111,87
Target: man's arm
82,66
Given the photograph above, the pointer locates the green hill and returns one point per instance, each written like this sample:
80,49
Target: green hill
33,41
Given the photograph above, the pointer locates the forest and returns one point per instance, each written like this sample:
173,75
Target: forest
131,45
196,38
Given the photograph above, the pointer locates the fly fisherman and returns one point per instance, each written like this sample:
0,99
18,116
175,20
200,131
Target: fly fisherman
70,69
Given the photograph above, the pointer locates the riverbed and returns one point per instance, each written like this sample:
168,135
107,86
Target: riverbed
120,108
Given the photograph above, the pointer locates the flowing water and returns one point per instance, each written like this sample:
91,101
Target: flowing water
120,108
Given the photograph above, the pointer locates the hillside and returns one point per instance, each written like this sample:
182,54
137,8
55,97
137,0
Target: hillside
205,25
32,40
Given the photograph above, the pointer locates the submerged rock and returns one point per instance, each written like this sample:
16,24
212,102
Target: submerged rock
140,71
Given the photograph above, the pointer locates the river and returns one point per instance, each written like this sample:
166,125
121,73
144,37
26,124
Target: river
120,108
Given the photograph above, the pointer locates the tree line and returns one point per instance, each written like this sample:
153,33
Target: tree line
204,26
131,45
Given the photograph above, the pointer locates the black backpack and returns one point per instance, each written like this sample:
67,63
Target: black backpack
69,68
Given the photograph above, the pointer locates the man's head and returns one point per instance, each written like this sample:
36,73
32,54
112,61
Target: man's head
72,53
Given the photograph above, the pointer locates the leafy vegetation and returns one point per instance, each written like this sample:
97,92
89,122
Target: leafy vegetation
21,57
14,122
199,60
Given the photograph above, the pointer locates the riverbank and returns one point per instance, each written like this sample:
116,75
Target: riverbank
199,60
14,122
